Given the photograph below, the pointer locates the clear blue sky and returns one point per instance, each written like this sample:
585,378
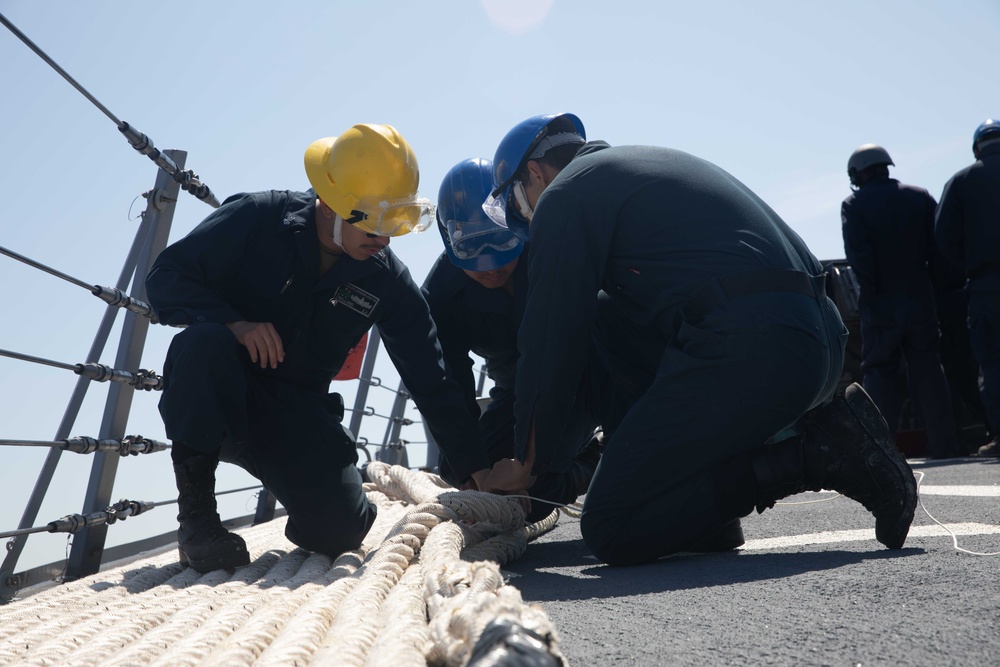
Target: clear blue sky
777,92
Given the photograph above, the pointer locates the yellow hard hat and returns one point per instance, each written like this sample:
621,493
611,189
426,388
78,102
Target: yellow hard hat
369,176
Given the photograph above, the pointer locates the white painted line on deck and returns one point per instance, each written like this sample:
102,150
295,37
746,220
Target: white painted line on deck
833,536
980,491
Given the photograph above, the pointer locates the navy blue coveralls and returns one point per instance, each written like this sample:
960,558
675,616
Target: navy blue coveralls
967,228
888,232
256,258
961,369
473,319
747,339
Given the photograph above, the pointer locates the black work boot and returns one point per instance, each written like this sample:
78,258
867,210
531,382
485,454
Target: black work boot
727,538
202,542
989,449
846,447
584,465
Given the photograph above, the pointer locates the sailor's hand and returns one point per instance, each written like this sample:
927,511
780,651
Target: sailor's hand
509,476
478,480
261,340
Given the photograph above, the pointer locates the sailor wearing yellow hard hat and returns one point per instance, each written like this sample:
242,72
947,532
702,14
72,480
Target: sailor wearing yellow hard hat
274,289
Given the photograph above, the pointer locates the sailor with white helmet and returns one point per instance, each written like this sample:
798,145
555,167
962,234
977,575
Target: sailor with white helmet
888,230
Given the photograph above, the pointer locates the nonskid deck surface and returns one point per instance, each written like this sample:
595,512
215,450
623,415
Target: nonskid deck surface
811,586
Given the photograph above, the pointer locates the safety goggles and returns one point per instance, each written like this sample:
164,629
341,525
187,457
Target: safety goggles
392,217
471,239
495,207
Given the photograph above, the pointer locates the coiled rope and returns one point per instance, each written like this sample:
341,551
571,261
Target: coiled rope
420,590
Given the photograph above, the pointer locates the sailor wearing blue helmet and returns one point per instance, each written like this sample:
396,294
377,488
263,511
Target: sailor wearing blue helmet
711,311
476,293
966,229
529,140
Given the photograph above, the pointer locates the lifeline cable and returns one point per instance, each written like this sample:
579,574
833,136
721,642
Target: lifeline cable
375,381
142,379
130,444
404,421
110,295
72,523
188,180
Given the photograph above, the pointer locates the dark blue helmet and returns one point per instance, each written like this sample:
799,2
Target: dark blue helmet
987,131
472,240
529,139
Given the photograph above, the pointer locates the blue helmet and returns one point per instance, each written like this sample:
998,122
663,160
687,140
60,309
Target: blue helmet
529,139
472,240
987,131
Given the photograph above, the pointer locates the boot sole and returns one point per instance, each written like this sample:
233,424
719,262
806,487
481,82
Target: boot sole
226,561
894,535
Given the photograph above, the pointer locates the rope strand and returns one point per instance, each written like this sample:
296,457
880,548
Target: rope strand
420,590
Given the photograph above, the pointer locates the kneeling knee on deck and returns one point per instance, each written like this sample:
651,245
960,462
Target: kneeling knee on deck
329,537
602,535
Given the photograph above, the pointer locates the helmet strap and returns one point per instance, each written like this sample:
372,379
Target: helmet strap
338,230
991,139
522,201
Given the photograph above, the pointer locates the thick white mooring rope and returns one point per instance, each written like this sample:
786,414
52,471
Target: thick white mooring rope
419,591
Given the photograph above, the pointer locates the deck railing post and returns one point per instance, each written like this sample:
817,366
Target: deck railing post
367,368
88,545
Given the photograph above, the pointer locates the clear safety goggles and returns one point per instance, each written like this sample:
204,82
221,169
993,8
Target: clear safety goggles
471,239
392,217
495,207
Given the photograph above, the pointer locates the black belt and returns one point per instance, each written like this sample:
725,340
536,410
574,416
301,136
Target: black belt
719,291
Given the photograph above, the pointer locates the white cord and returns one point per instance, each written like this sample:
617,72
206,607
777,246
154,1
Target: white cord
954,538
810,502
574,508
